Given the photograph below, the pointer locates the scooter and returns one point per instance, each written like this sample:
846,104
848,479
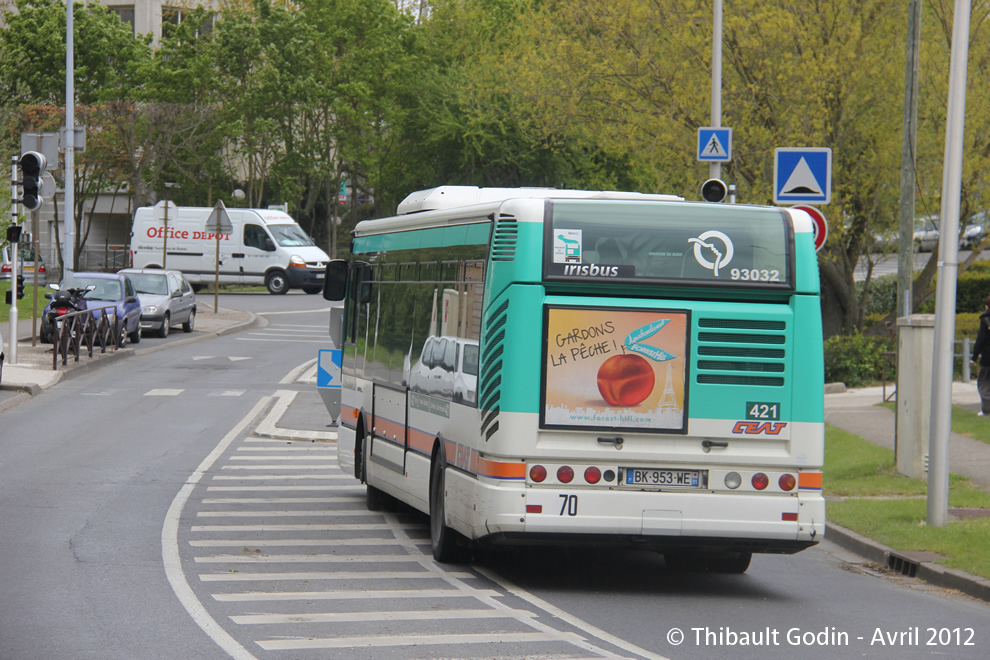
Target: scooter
63,301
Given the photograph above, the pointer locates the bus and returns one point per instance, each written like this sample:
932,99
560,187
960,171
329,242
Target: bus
543,366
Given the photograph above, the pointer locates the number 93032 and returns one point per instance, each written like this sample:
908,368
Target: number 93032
755,275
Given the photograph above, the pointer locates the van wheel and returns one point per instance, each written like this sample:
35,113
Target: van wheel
446,543
163,331
276,283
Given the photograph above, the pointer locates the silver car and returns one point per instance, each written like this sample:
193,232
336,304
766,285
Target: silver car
26,264
166,297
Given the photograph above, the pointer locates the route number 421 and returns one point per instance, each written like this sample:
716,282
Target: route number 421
568,505
762,410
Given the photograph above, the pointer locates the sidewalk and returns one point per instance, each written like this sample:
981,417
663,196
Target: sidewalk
857,412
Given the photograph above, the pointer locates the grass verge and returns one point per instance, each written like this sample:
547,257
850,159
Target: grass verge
25,306
868,495
964,421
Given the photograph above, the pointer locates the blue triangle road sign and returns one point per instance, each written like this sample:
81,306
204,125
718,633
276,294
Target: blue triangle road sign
715,144
802,175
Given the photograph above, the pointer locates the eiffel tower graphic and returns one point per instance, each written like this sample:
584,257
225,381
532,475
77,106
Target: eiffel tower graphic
668,401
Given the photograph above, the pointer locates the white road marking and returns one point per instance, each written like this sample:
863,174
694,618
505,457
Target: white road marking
263,543
343,575
163,392
387,594
308,559
346,617
379,641
170,545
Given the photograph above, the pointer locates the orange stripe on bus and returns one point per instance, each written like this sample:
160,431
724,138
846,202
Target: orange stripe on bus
810,480
499,470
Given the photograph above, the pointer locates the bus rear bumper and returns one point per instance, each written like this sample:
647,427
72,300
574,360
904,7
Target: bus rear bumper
764,522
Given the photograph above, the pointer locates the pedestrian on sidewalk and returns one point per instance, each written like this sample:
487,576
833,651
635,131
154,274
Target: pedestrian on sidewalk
981,352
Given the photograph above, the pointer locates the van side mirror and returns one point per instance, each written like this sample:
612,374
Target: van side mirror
335,280
269,245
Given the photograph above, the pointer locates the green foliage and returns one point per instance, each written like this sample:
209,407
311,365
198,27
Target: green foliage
883,295
857,359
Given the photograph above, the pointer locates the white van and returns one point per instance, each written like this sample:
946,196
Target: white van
265,247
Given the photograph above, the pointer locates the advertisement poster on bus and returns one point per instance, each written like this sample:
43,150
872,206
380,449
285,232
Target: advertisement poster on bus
615,368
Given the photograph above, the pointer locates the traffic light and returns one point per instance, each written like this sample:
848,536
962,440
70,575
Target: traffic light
20,287
32,166
714,190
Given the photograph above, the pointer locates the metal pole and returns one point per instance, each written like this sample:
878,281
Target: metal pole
12,333
715,168
905,262
70,145
948,253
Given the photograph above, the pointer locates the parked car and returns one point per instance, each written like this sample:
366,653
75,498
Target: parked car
166,298
973,236
925,235
26,264
109,290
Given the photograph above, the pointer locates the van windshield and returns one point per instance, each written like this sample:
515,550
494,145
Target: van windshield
290,235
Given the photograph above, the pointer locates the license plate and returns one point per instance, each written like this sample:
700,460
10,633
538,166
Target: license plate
662,477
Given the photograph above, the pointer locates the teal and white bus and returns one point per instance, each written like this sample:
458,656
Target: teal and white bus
564,366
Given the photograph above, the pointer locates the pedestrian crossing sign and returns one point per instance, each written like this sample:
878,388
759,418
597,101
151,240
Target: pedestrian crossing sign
715,144
802,175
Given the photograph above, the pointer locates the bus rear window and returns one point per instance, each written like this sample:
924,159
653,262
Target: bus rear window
667,242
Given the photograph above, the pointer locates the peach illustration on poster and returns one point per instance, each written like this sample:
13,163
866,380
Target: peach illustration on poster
608,368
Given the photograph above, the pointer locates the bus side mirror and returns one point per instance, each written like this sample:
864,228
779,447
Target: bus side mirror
335,280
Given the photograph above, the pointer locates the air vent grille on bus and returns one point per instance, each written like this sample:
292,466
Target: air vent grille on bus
505,238
757,355
490,389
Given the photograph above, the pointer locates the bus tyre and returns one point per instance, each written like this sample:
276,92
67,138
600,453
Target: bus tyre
445,541
374,499
276,283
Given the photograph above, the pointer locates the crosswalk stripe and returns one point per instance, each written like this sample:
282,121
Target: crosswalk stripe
282,528
353,617
293,489
324,466
310,559
263,543
379,641
321,456
286,514
276,477
343,575
278,500
389,594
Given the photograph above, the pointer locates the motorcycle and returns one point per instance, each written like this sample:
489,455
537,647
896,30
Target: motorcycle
63,301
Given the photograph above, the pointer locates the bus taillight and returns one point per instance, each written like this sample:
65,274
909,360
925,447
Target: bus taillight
538,473
592,475
787,482
760,481
565,474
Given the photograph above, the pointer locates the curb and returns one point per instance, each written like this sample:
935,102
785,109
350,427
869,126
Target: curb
927,571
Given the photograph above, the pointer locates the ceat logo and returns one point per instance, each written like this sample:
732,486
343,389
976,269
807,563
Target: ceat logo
758,428
715,244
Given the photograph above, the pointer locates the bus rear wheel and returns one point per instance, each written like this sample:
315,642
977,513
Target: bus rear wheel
447,548
374,499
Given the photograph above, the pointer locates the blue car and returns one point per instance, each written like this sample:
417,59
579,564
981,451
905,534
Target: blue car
108,290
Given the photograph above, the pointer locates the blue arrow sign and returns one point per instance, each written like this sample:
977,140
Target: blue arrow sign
328,368
802,175
715,144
